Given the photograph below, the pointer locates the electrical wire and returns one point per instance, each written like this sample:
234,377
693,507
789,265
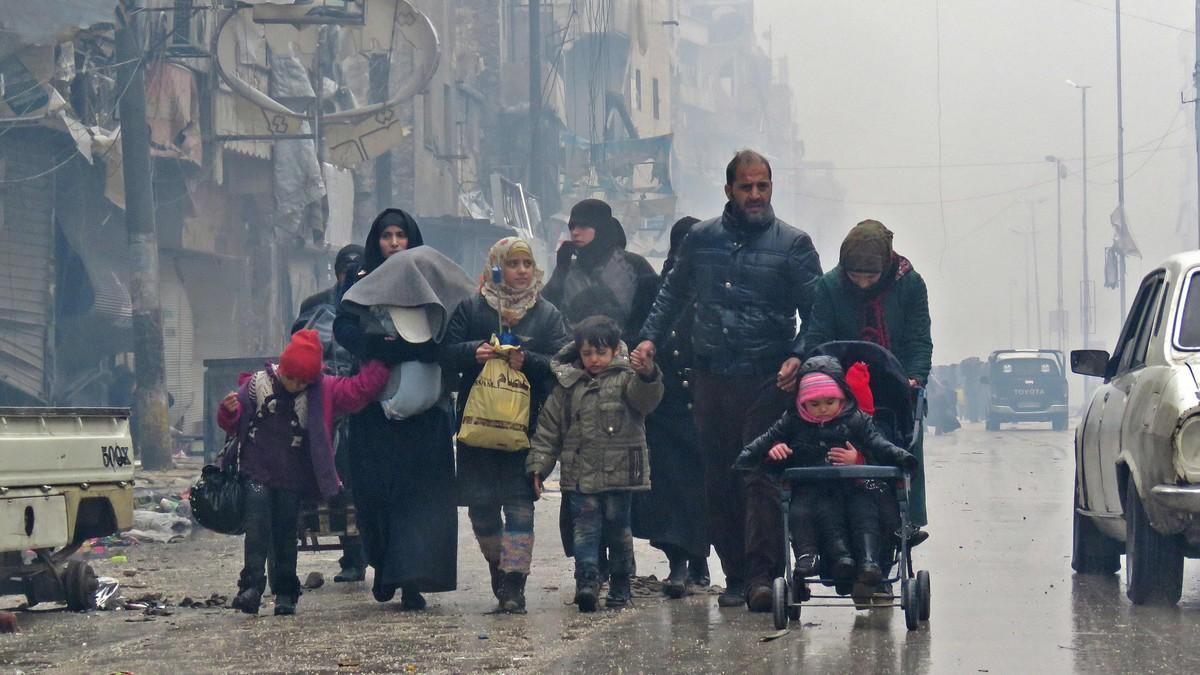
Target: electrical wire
1136,17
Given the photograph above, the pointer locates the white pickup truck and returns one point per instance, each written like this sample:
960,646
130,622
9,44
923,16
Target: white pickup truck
66,475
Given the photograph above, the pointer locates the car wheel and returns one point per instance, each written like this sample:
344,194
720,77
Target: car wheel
1153,561
1091,551
992,425
1059,423
80,582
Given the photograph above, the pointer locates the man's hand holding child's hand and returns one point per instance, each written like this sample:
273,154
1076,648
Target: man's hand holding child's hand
642,363
779,453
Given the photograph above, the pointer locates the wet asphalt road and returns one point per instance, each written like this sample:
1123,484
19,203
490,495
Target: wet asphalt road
1004,600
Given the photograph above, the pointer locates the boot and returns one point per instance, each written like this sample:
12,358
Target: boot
497,578
411,599
285,604
676,582
734,595
698,572
619,594
381,591
587,591
869,573
841,566
248,600
512,592
350,574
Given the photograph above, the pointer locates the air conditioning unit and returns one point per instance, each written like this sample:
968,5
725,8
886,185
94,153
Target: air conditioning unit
189,30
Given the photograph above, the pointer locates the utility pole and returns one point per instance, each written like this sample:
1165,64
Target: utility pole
1196,81
1085,295
151,434
1060,311
535,98
1122,237
1037,277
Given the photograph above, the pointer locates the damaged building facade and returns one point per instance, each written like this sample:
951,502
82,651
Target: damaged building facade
641,104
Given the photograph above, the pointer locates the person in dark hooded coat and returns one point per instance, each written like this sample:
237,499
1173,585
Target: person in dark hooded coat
404,470
595,275
673,515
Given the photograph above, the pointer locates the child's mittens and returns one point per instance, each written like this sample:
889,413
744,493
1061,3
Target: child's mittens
858,378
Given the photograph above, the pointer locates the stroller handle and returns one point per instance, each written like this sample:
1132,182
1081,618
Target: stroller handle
817,474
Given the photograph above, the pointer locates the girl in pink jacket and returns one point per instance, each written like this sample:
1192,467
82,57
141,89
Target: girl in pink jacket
283,419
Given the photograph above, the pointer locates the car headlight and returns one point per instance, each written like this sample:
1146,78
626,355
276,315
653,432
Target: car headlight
1187,449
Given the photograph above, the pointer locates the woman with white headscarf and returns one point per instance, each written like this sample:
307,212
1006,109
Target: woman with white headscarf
494,482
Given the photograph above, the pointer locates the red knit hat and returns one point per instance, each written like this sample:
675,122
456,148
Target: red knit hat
301,359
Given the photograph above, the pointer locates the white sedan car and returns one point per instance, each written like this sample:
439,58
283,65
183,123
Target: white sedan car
1137,450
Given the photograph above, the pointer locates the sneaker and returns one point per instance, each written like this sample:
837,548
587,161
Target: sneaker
248,601
285,605
734,594
806,565
350,575
619,595
759,598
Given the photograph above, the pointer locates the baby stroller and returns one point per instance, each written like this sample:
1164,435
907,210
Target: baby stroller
897,416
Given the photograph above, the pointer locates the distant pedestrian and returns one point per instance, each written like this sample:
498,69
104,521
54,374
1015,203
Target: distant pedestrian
283,416
594,424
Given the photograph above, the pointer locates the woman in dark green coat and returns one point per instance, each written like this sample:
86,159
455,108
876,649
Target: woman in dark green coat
875,295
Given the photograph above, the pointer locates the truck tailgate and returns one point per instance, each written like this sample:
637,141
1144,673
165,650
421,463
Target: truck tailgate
55,446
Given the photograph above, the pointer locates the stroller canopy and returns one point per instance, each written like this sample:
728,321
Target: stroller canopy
889,384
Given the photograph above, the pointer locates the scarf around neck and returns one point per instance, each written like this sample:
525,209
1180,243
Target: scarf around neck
511,303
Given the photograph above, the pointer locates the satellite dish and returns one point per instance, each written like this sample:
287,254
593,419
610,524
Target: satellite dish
383,17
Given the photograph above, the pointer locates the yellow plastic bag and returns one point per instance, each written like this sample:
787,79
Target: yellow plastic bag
497,413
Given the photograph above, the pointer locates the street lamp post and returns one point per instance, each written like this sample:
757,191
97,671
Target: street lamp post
1085,310
1060,312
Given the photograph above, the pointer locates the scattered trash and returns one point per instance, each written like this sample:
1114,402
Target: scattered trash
8,622
108,590
159,527
129,573
774,636
349,664
119,558
483,636
314,580
157,610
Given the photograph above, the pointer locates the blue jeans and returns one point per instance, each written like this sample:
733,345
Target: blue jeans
602,516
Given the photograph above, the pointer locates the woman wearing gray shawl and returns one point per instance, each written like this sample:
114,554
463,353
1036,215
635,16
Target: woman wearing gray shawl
404,470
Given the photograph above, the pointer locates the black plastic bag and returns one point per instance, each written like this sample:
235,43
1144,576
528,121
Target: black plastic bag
218,497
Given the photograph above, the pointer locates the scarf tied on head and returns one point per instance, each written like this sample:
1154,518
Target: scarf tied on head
510,303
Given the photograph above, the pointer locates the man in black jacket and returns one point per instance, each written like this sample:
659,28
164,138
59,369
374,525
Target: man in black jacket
317,312
747,274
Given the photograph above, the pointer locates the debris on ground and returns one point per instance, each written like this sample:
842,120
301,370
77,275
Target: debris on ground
8,622
314,580
108,593
159,527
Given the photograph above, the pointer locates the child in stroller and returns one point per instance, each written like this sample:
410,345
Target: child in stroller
827,426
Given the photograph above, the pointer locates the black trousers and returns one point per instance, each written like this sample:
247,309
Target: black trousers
744,514
272,517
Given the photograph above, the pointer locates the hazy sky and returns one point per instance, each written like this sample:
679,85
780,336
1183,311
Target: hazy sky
865,74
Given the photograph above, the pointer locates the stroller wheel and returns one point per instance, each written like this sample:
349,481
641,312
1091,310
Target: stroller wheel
779,603
911,602
923,594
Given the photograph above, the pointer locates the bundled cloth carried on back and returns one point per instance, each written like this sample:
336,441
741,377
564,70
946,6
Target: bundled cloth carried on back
410,297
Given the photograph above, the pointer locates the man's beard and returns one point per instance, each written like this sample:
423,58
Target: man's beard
762,217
